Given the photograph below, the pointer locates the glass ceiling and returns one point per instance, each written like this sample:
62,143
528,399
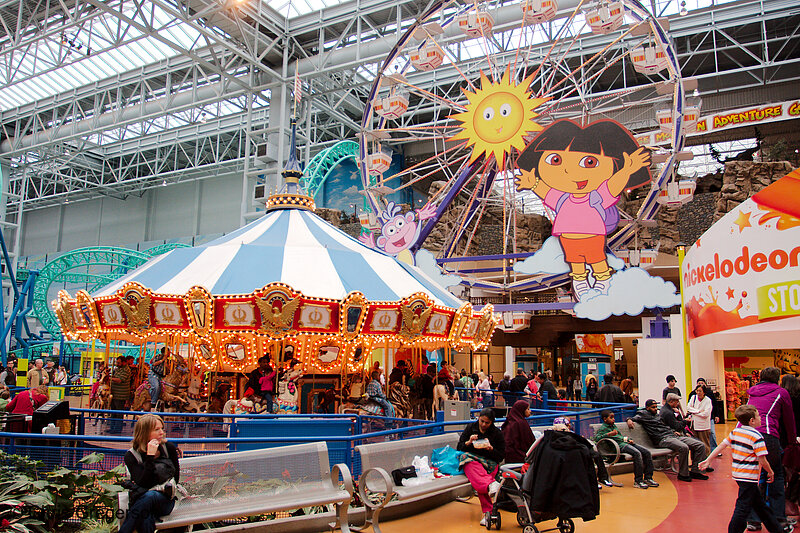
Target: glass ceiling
295,8
91,54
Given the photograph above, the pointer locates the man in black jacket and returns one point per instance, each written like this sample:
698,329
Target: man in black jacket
518,383
609,392
504,388
671,415
545,385
664,436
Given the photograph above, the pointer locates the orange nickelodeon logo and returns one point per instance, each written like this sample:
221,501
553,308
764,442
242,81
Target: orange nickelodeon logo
777,260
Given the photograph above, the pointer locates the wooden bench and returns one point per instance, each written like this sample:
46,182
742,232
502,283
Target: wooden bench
612,454
378,460
241,484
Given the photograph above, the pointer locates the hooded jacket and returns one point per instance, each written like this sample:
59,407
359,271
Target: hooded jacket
775,407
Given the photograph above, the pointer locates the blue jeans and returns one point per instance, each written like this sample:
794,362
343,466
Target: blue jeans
268,398
488,399
642,461
751,502
713,434
155,387
774,493
144,512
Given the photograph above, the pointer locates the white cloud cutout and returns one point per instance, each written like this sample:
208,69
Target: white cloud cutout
630,292
350,190
427,263
548,260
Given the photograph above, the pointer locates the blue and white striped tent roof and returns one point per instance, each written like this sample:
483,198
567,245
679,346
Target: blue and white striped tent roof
292,246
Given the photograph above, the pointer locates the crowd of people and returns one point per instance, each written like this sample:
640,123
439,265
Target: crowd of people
767,425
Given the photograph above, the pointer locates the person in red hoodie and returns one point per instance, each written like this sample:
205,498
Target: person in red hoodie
23,405
775,407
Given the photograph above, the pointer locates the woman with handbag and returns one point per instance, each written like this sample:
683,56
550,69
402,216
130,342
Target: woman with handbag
700,408
152,463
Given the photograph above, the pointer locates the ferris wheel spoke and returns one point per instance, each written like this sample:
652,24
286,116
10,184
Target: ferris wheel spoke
554,40
423,176
422,164
569,91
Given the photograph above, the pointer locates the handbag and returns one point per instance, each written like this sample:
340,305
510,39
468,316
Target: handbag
406,472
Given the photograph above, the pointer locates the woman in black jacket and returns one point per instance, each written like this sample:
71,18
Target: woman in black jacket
591,389
152,463
484,449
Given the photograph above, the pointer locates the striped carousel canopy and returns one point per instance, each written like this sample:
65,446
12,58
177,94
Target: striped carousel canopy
292,246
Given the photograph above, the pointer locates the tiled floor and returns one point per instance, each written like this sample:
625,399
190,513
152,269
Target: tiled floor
675,506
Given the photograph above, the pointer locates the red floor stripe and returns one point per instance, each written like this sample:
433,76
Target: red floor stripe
703,504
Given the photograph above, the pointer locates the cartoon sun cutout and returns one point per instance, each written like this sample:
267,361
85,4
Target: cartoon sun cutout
497,117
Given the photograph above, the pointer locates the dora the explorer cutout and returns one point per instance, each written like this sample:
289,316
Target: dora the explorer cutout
579,173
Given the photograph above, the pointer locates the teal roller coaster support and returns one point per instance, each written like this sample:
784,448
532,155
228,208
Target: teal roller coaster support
322,164
95,266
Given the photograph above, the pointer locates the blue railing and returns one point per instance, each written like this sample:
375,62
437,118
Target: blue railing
206,433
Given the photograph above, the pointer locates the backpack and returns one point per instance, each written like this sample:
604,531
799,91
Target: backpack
610,215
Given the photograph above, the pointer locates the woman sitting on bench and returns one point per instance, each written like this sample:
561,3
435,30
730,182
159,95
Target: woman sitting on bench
152,463
484,449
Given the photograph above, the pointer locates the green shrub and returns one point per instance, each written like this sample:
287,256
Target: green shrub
34,500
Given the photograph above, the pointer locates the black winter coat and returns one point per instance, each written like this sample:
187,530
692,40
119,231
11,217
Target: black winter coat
562,479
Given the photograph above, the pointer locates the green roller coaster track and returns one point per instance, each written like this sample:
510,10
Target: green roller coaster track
94,266
322,164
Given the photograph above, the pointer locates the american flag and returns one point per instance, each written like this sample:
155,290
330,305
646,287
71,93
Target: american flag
298,88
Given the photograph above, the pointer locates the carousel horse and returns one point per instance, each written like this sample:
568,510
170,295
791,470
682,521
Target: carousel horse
441,393
219,398
141,398
175,385
102,398
398,397
288,392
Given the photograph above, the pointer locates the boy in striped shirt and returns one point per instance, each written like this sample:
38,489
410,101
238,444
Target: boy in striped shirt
749,456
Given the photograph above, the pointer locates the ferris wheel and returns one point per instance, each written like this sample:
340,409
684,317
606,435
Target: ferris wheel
469,85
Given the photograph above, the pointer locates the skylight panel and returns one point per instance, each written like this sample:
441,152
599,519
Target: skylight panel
42,80
295,8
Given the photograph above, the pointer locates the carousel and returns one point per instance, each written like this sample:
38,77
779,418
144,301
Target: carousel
290,285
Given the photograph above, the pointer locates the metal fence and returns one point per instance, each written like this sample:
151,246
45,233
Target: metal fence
205,433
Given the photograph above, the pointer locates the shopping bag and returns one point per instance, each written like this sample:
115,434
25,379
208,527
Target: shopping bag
446,460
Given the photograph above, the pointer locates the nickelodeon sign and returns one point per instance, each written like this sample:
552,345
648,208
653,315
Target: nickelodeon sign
721,268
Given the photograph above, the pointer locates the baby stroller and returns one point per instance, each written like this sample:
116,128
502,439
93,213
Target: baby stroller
560,483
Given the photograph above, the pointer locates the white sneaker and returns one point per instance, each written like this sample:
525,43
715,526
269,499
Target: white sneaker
483,520
601,286
494,486
580,287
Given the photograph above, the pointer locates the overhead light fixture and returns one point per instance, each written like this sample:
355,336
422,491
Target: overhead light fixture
164,183
684,11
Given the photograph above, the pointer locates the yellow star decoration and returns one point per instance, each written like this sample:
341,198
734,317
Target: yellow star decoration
743,220
497,117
